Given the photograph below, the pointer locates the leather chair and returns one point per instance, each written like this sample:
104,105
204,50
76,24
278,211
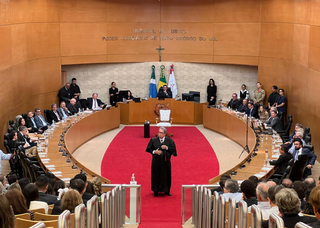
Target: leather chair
298,168
285,133
83,103
46,114
286,173
24,115
307,135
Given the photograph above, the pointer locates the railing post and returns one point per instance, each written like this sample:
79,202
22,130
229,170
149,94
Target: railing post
242,214
275,221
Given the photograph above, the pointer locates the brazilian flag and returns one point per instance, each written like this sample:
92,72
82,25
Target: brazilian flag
162,80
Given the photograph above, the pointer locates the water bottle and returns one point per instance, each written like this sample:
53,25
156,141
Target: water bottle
133,180
266,160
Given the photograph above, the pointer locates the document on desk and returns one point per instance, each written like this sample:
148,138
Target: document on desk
266,169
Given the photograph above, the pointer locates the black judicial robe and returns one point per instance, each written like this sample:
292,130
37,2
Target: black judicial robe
161,164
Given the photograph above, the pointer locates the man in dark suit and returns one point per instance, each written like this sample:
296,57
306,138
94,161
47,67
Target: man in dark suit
234,103
72,106
161,148
63,110
302,150
244,106
53,115
75,89
274,121
252,111
65,93
40,121
42,183
29,145
283,160
94,103
86,195
30,123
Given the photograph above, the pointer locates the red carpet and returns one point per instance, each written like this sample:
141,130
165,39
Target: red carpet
196,163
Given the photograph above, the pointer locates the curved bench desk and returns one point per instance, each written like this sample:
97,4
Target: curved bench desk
88,127
234,128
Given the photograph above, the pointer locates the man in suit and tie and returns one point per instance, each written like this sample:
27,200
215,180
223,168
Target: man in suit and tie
63,110
53,115
29,145
234,103
72,106
42,183
94,103
161,148
274,122
40,121
30,123
65,93
283,160
302,150
252,111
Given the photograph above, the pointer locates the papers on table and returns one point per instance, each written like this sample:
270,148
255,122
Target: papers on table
275,156
261,174
266,169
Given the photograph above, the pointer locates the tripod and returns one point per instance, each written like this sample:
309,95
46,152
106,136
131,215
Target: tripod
246,148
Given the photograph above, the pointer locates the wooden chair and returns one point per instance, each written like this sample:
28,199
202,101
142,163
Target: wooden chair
39,210
23,216
50,209
45,217
24,223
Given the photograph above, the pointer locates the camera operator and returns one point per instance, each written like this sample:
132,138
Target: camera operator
29,146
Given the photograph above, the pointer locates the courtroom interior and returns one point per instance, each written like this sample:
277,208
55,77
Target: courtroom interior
159,113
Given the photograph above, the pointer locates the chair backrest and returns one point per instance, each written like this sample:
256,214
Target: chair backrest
24,216
105,208
25,223
298,168
301,225
165,115
221,209
39,210
44,217
46,115
39,225
242,214
84,103
80,216
231,213
64,220
275,221
215,204
92,212
24,115
287,125
256,217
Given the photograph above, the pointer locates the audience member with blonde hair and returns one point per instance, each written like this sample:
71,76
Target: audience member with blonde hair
70,200
6,214
97,186
18,202
15,186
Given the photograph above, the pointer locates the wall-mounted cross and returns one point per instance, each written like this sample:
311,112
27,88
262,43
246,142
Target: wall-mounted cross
160,49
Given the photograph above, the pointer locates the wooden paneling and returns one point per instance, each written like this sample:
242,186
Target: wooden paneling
7,86
300,48
44,10
5,15
82,39
19,43
43,40
19,11
312,91
132,58
276,40
187,11
133,11
188,46
83,59
83,11
186,58
5,47
314,51
314,15
238,60
237,39
131,46
236,11
298,83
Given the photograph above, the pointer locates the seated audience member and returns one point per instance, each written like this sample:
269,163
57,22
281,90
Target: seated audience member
90,188
74,89
252,111
41,123
243,93
310,182
231,190
72,106
289,207
42,183
70,200
302,150
31,123
65,93
315,203
29,145
244,106
259,94
23,182
308,208
262,197
63,110
273,97
281,103
298,135
18,117
297,127
234,103
222,181
18,202
15,186
274,122
6,214
97,186
31,194
94,103
271,183
54,115
272,191
13,139
12,178
86,195
2,189
300,188
58,185
263,114
4,156
283,160
287,183
248,193
164,92
76,184
254,180
22,122
3,181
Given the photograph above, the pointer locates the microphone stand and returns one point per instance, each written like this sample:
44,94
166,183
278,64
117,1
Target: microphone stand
246,147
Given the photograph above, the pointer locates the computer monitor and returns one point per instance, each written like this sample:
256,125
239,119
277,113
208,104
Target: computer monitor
196,96
187,97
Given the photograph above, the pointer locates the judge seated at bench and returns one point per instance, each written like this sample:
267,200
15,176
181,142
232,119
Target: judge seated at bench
164,92
94,103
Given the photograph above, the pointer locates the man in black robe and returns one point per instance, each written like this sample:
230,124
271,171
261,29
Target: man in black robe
161,148
74,89
65,94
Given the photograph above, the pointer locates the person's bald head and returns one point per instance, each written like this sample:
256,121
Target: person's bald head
271,183
262,191
73,101
287,183
310,182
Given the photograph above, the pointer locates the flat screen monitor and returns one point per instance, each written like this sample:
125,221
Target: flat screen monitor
196,96
187,97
